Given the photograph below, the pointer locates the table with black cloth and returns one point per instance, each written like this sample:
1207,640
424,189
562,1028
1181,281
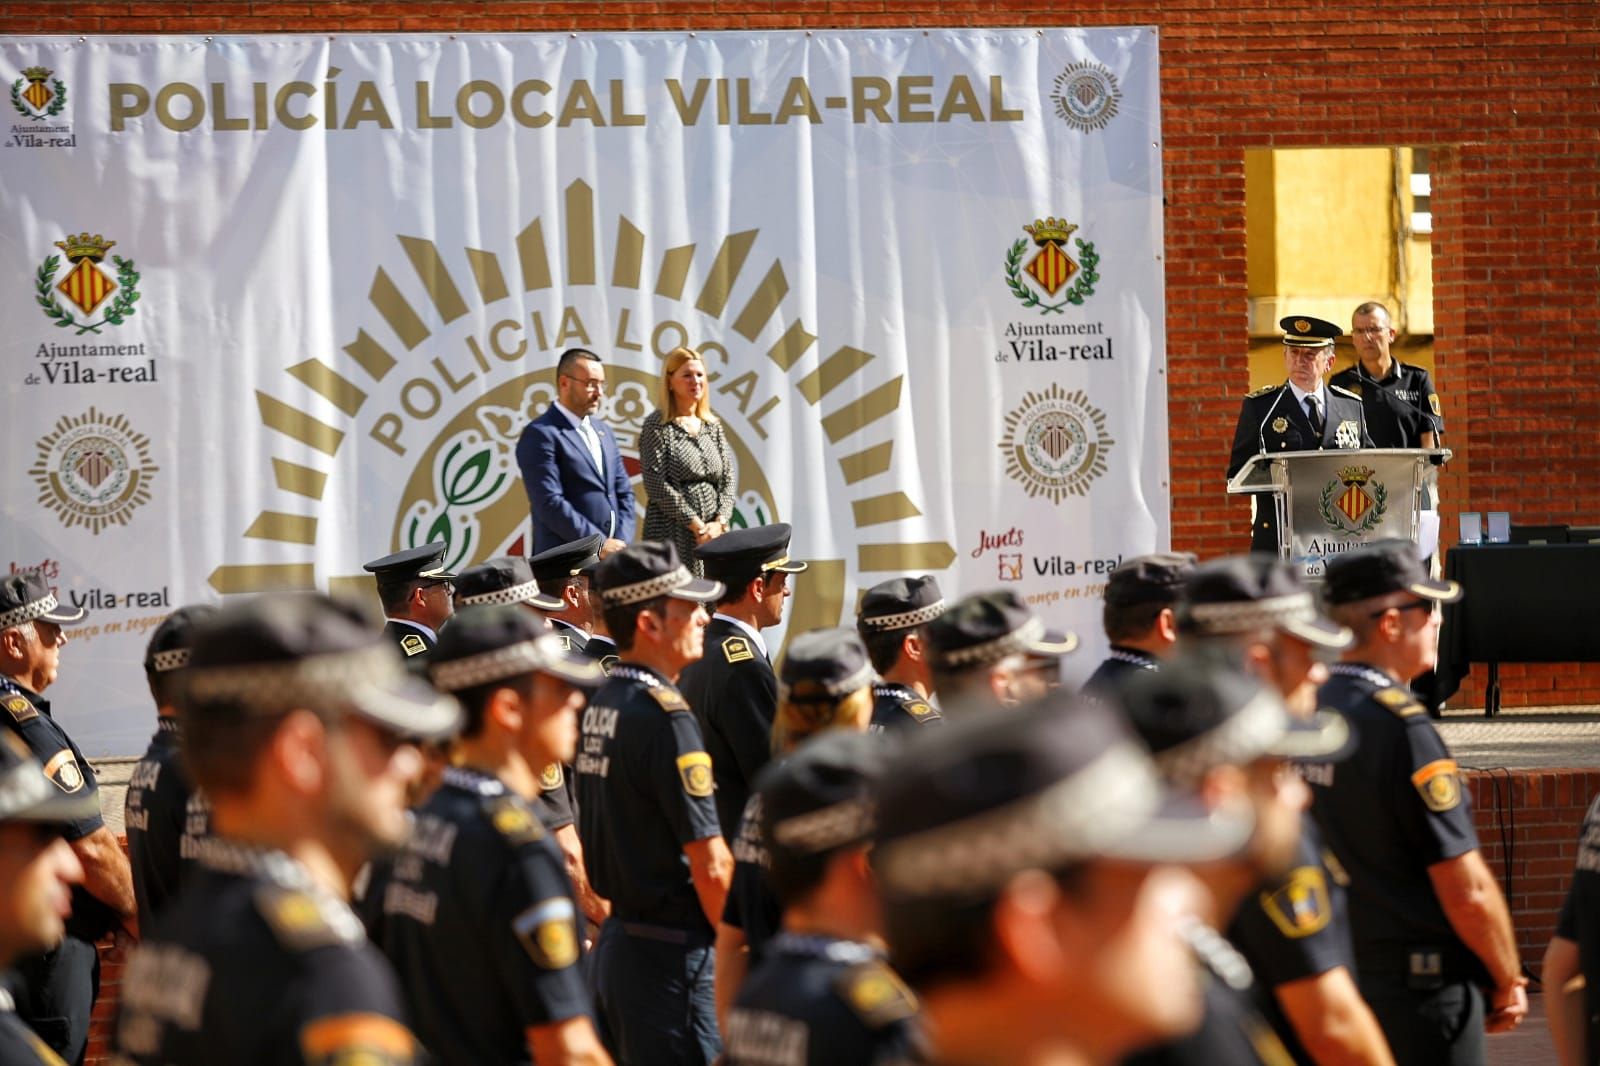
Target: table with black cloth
1524,603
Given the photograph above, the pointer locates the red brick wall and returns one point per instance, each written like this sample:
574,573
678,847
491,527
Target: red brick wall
1505,94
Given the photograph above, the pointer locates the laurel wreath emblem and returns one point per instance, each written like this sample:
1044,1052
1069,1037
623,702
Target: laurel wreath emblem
1368,522
120,308
58,99
1081,288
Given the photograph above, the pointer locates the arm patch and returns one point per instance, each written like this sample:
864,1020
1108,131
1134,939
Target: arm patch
357,1040
695,770
549,933
1300,906
551,777
1439,785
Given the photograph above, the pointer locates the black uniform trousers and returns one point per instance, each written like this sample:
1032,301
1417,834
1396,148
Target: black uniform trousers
1429,1027
658,982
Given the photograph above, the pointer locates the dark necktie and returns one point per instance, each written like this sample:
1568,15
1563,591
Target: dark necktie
1314,413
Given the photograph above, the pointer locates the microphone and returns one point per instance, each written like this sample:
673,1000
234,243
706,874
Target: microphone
1261,431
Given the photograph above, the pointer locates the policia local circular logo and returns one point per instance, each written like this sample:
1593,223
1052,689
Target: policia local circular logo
93,470
1055,443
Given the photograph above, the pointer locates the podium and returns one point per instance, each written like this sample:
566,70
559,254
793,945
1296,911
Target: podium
1331,501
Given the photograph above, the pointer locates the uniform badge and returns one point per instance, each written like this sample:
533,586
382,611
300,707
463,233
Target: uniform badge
1280,425
412,644
1348,435
920,711
1439,785
1398,700
514,821
1300,906
549,933
670,699
737,650
550,778
607,662
357,1040
63,770
566,642
876,994
695,769
1433,402
1262,391
20,708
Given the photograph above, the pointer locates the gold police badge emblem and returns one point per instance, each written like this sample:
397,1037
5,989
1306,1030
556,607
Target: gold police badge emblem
548,932
1280,425
695,770
1439,785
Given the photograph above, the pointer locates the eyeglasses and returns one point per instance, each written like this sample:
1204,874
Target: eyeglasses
1431,606
1372,332
589,384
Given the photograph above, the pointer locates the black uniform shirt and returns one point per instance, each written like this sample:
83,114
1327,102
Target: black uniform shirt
644,791
1400,408
255,965
1116,669
20,1045
1391,810
896,706
734,694
1294,928
165,819
479,920
1580,923
817,1001
752,904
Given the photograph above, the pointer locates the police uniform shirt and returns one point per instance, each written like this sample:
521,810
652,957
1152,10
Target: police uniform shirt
1400,408
20,1045
734,694
896,706
818,1001
752,904
644,790
479,920
1295,927
164,820
1116,669
1391,810
256,965
1580,922
1232,1029
412,639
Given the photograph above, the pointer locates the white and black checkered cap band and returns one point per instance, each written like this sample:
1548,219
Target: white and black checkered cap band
176,659
529,656
640,591
311,681
1244,616
1247,735
905,619
840,687
18,616
1076,818
822,830
526,592
1019,641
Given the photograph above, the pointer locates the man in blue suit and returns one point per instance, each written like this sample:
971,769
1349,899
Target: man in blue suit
571,466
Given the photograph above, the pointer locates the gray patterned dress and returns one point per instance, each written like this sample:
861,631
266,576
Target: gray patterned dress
685,477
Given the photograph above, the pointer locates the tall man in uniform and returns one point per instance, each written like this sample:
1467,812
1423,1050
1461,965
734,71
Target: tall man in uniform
58,989
1302,414
1139,617
566,573
1401,404
1431,927
294,715
990,651
651,839
417,592
37,873
732,689
477,913
165,817
892,621
822,994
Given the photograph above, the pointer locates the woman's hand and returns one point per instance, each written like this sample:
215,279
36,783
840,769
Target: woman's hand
709,531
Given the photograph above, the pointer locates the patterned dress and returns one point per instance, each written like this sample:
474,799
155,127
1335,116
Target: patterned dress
685,477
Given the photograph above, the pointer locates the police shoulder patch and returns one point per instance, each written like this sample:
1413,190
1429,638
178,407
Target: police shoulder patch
1344,391
1262,391
357,1040
1401,702
695,770
296,918
513,820
63,771
548,932
413,644
1433,402
20,708
737,650
670,699
551,778
1300,905
1439,785
920,711
876,994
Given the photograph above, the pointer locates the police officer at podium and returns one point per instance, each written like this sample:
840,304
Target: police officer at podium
1302,414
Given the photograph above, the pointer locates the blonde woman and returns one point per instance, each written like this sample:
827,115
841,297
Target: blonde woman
824,686
686,461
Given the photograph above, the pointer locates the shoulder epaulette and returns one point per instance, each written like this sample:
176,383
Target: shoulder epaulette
412,644
670,699
876,994
17,705
1262,391
737,650
1344,391
296,918
513,820
1401,702
921,710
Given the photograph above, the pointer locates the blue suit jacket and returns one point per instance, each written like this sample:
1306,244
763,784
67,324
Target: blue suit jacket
568,497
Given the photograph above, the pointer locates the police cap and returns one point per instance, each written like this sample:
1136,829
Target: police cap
413,564
1380,568
1148,579
1246,593
648,570
279,651
506,579
172,641
742,555
481,645
27,795
1301,331
568,560
900,603
25,596
983,629
820,799
1197,713
831,663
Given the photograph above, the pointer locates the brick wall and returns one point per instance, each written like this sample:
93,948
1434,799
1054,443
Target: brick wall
1506,94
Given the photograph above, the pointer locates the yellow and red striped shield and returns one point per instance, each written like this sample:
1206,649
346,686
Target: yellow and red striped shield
1354,502
87,286
37,94
1052,268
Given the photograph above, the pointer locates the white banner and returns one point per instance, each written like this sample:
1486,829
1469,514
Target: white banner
275,306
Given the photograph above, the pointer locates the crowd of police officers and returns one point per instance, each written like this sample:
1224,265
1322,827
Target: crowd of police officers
567,809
